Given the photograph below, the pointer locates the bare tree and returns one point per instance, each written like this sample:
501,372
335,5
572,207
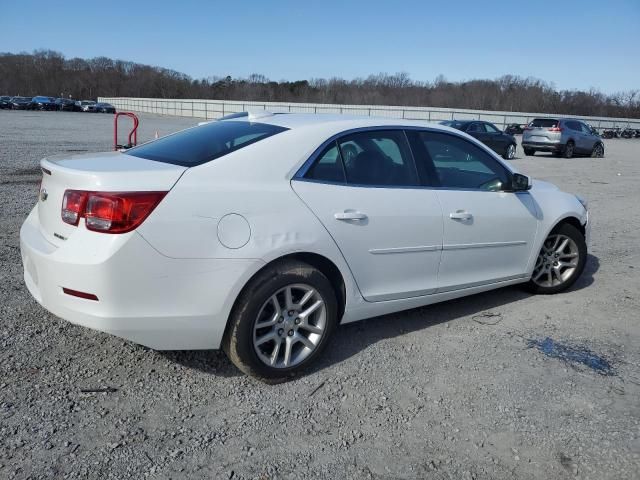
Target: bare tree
46,72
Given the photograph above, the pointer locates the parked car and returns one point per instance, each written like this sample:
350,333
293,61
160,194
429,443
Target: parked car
42,103
150,244
514,129
561,136
5,102
65,104
102,107
20,103
502,143
87,106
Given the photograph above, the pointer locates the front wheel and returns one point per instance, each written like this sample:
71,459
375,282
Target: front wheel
560,262
510,152
282,321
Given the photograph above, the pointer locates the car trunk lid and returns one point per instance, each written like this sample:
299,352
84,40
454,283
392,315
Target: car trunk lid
96,172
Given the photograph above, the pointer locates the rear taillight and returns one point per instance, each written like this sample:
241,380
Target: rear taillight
109,212
555,129
73,204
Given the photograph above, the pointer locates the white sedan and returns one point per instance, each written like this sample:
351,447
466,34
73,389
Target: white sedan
262,232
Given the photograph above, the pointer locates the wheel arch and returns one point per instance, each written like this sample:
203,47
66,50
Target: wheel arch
320,262
571,220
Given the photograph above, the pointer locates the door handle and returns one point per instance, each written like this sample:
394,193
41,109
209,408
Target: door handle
460,215
349,216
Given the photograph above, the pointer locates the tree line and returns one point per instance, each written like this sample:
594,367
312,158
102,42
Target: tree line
46,72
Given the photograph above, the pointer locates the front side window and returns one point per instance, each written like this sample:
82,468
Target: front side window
475,127
204,143
490,128
458,163
586,129
380,158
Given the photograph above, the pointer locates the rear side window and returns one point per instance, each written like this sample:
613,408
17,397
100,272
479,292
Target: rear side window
380,158
544,123
328,167
202,144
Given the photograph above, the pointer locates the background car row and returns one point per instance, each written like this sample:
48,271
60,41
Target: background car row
617,132
51,103
560,136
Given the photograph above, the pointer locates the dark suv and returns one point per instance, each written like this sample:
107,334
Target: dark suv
564,136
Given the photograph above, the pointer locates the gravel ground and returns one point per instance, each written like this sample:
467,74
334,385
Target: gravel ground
454,390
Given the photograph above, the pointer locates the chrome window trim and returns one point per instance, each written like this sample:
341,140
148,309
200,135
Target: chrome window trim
302,171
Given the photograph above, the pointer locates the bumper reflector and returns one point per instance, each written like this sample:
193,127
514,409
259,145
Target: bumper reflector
76,293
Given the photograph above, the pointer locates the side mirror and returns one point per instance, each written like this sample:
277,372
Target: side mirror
520,183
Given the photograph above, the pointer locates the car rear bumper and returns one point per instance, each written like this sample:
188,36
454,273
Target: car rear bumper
143,296
544,146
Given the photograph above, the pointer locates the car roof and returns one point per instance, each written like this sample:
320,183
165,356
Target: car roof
336,122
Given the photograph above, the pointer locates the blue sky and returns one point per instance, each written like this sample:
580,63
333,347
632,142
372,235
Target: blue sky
574,44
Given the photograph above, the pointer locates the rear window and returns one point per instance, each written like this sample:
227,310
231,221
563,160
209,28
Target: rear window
452,124
544,123
202,144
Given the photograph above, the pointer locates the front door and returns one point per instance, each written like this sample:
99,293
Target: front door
488,232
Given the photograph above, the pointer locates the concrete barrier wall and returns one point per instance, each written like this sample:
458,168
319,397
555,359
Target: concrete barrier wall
213,109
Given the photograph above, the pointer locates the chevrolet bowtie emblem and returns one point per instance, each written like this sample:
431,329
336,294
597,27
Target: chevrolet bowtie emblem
44,195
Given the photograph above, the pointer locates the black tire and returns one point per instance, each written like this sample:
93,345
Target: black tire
598,150
529,152
574,234
569,149
238,339
506,155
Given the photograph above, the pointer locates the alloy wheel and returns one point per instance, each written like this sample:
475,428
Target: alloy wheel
289,326
511,152
557,261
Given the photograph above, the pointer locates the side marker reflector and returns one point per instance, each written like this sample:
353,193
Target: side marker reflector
76,293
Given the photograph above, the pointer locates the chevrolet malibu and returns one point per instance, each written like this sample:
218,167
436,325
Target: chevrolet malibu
260,233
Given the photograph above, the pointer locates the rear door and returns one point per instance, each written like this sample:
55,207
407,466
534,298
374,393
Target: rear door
366,191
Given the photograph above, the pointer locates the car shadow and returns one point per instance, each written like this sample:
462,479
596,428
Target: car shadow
352,338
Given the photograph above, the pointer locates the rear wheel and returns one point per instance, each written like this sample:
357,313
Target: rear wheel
598,151
529,152
510,152
568,150
282,321
560,262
